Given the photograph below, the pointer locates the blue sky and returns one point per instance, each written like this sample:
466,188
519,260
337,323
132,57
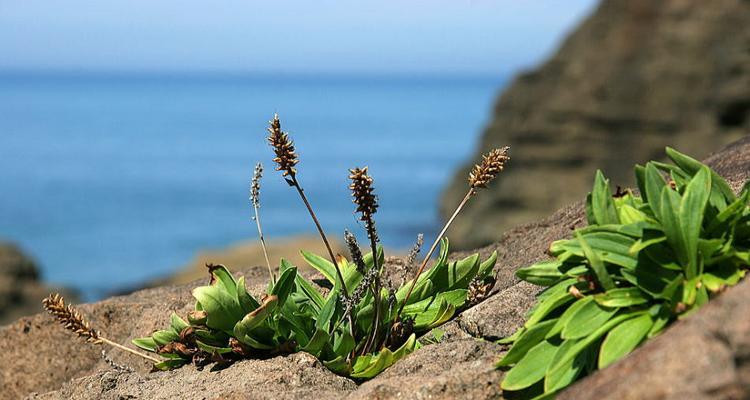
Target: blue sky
368,36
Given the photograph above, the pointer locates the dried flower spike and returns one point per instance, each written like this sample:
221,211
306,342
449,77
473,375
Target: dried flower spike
255,199
73,321
283,147
366,201
492,164
255,185
70,318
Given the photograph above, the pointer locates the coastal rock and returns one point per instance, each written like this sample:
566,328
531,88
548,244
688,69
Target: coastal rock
636,76
44,359
20,288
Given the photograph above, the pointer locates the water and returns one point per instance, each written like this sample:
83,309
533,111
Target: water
112,180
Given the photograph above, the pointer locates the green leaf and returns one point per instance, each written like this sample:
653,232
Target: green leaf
670,219
654,183
163,337
586,320
622,339
602,205
221,306
525,342
322,265
564,319
531,368
568,362
317,342
485,268
326,313
691,215
146,343
596,264
723,193
545,273
284,285
167,365
247,302
177,323
621,297
223,278
545,307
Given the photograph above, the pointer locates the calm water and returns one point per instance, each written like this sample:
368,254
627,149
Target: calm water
112,180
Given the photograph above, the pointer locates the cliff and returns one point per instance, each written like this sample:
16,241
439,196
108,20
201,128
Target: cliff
636,76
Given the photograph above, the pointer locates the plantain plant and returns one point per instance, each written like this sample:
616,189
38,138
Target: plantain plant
640,264
358,327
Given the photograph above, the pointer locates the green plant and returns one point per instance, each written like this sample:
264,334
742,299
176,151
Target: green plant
361,326
641,263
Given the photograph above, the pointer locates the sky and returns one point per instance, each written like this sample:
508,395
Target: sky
295,36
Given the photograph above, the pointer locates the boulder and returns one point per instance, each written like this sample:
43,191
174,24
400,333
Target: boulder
636,76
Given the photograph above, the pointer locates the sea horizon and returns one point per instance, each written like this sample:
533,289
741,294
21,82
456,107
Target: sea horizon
116,178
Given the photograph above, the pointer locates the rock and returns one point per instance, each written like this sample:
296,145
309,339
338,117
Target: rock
20,288
635,77
704,355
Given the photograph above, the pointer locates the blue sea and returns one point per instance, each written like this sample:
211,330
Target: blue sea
111,180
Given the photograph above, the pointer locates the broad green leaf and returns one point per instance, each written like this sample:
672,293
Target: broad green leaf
316,343
163,337
322,265
586,320
621,297
177,323
654,183
485,268
610,247
622,339
545,273
326,313
691,215
221,306
284,285
545,307
596,264
212,349
146,343
525,342
167,365
531,368
567,315
602,205
722,195
569,361
670,218
222,277
247,302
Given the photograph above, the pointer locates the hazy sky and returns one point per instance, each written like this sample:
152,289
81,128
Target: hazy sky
369,36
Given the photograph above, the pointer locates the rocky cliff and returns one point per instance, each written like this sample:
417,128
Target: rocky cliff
704,356
636,76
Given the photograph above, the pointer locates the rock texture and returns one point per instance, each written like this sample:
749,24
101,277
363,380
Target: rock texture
20,288
705,355
636,76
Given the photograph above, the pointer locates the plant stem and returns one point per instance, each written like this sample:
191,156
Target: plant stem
263,243
301,192
461,205
376,296
129,350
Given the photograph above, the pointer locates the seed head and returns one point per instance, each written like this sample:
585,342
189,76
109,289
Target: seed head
492,164
255,186
366,201
283,147
356,253
70,318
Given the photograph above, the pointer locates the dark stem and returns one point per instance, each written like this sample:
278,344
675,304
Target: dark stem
322,234
376,293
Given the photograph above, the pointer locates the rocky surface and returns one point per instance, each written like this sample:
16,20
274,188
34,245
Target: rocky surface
20,287
703,356
636,76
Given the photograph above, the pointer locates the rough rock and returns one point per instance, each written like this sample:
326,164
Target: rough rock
20,287
707,353
636,76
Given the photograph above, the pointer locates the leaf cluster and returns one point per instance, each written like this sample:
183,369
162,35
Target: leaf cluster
641,263
296,315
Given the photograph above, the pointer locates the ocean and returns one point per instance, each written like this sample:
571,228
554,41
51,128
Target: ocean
111,180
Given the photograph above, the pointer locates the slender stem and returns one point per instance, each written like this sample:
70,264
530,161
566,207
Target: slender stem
263,243
461,205
129,350
322,234
376,295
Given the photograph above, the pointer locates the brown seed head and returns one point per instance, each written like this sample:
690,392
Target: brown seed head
70,318
255,186
366,201
354,250
286,158
492,164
